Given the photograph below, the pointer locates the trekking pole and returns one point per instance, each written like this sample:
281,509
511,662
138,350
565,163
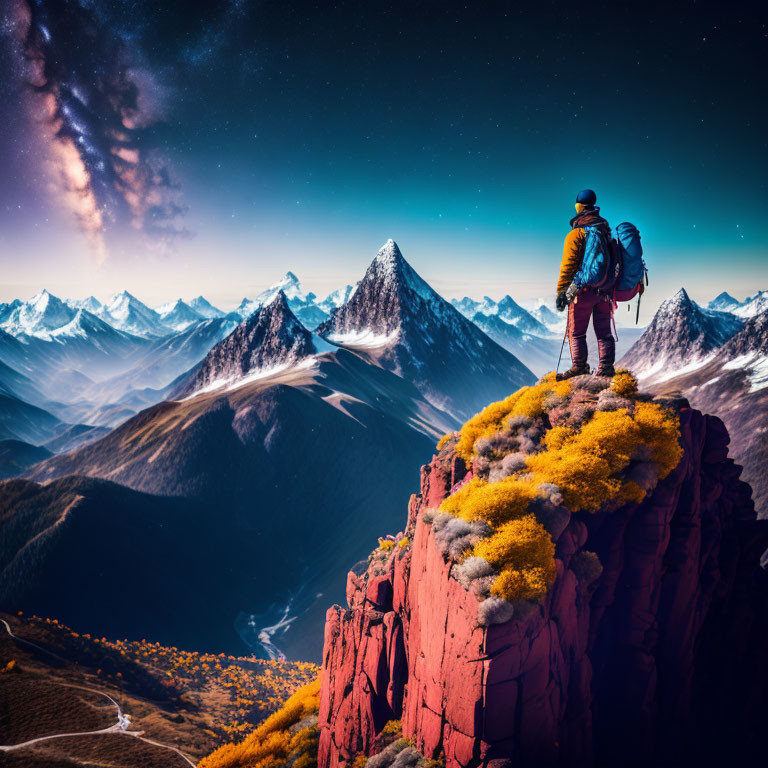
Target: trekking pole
637,314
562,346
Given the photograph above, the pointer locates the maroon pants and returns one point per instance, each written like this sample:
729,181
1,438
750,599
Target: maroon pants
590,304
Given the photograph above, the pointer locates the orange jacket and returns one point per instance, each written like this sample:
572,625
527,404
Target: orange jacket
573,253
573,248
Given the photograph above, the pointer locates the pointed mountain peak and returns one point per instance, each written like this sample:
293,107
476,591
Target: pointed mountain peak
389,254
270,339
389,292
40,301
121,298
290,278
203,307
390,268
680,300
681,333
278,304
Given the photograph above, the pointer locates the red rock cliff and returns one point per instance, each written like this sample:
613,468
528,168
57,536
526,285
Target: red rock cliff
657,659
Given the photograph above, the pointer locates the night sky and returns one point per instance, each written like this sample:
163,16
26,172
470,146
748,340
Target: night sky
180,147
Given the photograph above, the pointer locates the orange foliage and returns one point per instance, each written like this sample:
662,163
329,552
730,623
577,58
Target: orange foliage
493,502
272,743
528,401
624,383
585,465
524,554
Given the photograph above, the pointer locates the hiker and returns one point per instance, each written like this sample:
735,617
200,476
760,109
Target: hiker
585,302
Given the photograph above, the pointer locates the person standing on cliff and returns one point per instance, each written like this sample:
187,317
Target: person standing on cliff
584,303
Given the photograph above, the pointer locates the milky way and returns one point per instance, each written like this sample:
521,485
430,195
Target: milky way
96,105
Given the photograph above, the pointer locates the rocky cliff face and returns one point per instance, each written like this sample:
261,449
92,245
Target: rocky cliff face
655,659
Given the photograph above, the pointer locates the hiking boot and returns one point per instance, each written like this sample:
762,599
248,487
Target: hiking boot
576,370
606,349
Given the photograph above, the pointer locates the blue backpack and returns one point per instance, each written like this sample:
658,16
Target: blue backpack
630,272
613,265
598,266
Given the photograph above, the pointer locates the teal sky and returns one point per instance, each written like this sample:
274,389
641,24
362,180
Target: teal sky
300,138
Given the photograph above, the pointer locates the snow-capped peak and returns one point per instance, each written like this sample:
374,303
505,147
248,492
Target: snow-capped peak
289,284
120,297
126,313
40,301
389,256
169,306
680,334
338,298
204,308
84,325
723,302
753,305
270,339
506,309
38,316
178,315
679,299
90,304
391,268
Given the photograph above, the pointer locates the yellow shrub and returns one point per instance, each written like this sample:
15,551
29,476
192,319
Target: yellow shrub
531,400
305,761
556,437
393,726
660,430
489,421
403,542
524,553
624,383
631,491
496,503
586,465
272,743
528,584
528,401
386,544
443,440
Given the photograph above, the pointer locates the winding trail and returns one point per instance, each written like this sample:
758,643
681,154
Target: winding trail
121,726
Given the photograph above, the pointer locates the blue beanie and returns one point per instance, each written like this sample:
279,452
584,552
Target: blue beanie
586,197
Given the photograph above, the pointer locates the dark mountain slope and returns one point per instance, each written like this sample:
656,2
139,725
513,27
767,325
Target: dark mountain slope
308,459
16,456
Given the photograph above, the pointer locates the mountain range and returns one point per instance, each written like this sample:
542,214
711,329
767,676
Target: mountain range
292,440
289,426
751,306
719,361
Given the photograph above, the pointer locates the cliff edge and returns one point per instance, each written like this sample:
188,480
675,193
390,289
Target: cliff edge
631,634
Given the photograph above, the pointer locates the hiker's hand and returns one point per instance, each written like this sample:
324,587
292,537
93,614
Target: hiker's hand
561,302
